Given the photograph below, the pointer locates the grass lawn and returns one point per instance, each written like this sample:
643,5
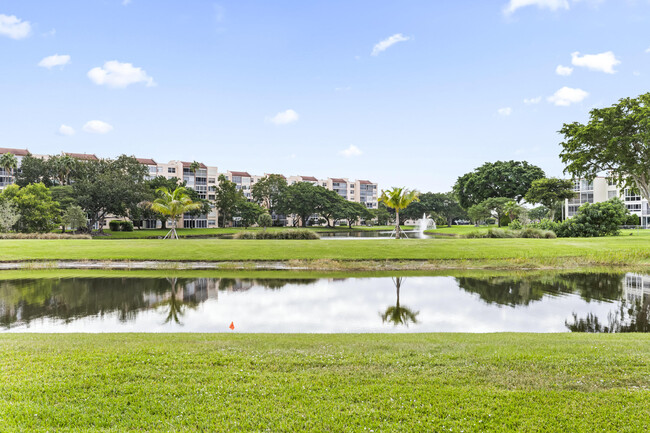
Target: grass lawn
408,382
569,252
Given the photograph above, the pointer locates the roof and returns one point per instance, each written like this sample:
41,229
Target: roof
188,164
146,161
365,182
309,179
16,152
339,180
83,156
239,173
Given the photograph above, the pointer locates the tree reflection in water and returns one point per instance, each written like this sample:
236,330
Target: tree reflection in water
175,303
632,316
399,314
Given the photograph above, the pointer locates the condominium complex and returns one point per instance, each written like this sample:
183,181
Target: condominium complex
203,179
601,189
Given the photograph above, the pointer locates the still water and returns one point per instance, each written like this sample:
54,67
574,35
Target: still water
610,302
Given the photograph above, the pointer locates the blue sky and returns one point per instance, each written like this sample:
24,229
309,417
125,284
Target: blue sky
410,93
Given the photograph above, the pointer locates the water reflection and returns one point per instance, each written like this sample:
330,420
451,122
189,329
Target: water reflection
535,302
399,314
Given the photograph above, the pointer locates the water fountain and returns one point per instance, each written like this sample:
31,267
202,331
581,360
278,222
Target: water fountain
425,224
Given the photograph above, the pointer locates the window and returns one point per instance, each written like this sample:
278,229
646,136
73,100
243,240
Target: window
633,207
631,195
171,169
236,179
612,194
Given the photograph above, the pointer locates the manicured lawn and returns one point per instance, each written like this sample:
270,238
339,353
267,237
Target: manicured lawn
229,382
620,250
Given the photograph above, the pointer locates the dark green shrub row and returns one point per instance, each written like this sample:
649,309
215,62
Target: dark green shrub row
120,226
285,234
42,236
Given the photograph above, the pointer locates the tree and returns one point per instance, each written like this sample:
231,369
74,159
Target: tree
352,212
300,199
226,198
74,217
515,211
538,213
34,170
8,162
9,216
109,187
195,166
248,212
382,214
498,206
62,167
510,179
328,204
549,192
593,220
38,212
268,191
478,212
398,199
616,140
173,204
264,220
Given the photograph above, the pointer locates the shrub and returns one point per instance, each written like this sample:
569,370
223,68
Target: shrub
42,236
545,224
284,234
114,226
502,234
594,220
534,233
632,220
126,226
516,225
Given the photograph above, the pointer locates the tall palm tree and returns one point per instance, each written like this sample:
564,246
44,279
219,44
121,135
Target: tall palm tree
399,314
398,199
9,162
173,204
64,165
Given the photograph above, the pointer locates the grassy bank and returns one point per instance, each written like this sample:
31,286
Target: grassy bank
427,382
350,254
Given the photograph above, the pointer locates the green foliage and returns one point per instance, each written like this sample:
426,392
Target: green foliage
8,162
174,204
114,225
74,217
120,226
632,220
9,216
498,206
265,220
34,170
301,199
38,212
269,190
284,234
382,215
549,192
109,187
353,212
248,212
226,198
593,220
478,212
616,139
444,205
398,199
538,213
509,179
529,232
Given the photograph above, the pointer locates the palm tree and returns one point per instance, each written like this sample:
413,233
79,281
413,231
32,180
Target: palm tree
398,199
174,204
8,162
399,314
194,167
64,165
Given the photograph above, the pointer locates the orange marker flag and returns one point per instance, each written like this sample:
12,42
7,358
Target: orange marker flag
232,325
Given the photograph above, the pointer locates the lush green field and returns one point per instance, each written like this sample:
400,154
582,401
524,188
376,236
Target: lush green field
620,250
426,382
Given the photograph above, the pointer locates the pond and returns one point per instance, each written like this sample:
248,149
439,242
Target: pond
372,234
467,302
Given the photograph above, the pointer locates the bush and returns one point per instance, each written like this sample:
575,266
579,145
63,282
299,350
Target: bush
516,225
120,226
632,220
594,220
42,236
502,234
284,234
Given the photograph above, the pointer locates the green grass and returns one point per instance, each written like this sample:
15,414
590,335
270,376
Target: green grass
215,232
621,250
406,383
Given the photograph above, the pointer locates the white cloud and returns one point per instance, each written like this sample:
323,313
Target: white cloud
565,71
14,27
603,62
567,96
284,117
553,5
119,75
388,42
97,127
505,111
55,60
66,130
531,101
351,151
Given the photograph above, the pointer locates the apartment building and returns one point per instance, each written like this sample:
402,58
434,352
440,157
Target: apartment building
203,179
601,189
